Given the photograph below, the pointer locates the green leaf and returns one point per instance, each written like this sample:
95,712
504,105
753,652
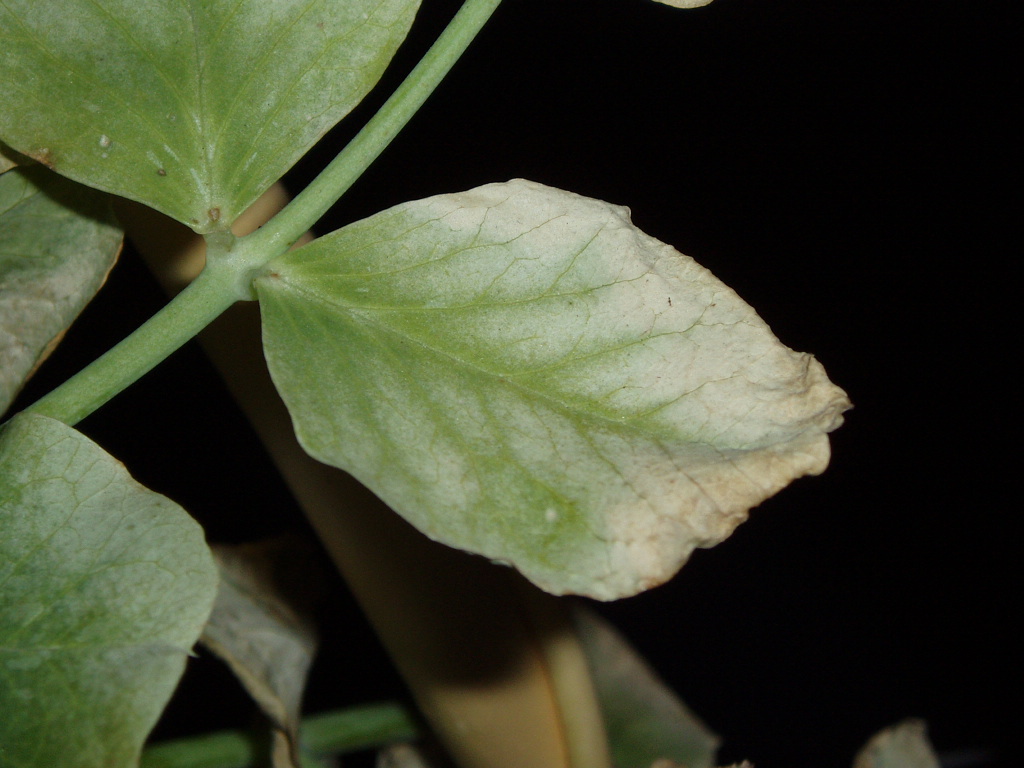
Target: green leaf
106,587
522,373
646,721
7,160
192,107
904,745
58,241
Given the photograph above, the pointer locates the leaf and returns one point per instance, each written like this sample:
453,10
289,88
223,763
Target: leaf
58,242
522,373
7,160
261,627
647,724
194,108
904,745
684,3
106,587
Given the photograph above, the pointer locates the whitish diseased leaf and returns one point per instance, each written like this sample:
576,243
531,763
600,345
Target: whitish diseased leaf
194,108
904,745
106,587
261,627
684,3
522,373
58,241
647,723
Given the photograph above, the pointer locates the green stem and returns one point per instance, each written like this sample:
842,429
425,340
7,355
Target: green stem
307,208
349,730
181,319
228,273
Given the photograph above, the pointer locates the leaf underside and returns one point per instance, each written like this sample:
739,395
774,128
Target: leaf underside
194,108
522,373
58,242
106,586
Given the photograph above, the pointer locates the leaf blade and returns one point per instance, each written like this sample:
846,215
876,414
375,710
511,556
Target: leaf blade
193,108
522,373
106,585
7,160
58,242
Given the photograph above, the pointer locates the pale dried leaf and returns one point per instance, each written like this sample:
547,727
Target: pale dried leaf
904,745
262,629
685,3
645,720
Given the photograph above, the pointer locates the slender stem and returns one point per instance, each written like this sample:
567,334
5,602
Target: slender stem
307,208
182,318
349,730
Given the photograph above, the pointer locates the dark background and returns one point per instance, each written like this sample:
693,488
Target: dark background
845,167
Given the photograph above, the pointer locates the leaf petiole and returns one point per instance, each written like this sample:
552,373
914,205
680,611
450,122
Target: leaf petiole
349,730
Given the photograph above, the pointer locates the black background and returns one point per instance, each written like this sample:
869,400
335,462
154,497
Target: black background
845,167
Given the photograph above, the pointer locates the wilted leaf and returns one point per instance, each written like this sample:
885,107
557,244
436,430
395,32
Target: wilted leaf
647,723
522,373
194,108
58,241
684,3
261,627
904,745
106,586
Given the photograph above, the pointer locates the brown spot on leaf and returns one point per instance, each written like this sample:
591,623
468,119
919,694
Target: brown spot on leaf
214,214
161,172
44,156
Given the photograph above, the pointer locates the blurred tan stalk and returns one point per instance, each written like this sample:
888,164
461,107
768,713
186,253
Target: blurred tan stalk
492,661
